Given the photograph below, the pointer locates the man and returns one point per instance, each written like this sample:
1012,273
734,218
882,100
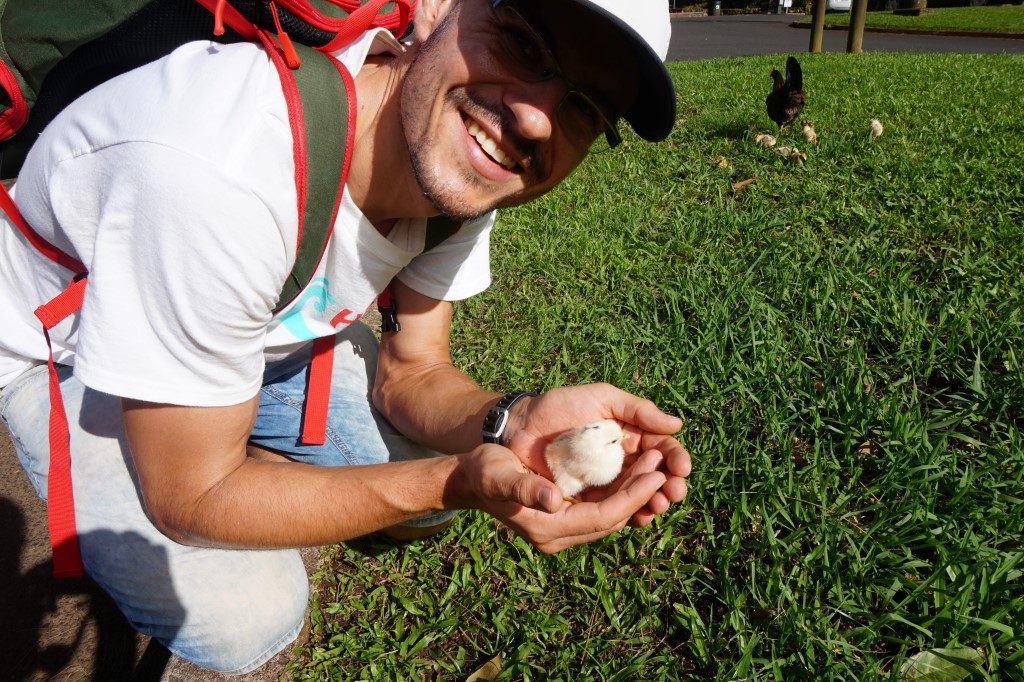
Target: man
174,185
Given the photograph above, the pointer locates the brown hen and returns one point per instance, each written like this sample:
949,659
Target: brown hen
786,100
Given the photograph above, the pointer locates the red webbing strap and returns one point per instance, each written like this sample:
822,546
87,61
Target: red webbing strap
60,497
15,115
38,243
318,392
318,388
360,21
294,104
225,14
388,310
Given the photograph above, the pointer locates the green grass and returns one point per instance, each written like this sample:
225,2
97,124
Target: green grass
987,19
844,341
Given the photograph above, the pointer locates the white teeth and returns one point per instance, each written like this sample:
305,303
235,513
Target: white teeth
490,146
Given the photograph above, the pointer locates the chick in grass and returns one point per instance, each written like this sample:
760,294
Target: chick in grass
589,455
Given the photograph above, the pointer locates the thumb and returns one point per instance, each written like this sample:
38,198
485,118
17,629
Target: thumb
536,492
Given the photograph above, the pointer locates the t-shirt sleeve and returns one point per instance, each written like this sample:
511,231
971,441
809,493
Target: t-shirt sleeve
458,267
186,268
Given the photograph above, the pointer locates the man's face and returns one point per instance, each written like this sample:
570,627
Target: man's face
482,133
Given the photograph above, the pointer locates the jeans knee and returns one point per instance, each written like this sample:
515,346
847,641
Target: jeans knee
248,623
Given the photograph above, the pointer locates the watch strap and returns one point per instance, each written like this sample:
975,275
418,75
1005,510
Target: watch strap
496,420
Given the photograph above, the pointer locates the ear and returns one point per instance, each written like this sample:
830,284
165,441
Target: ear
428,15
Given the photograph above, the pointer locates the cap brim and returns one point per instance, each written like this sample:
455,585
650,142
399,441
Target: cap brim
653,112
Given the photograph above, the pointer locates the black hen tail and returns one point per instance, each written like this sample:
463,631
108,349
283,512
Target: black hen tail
794,76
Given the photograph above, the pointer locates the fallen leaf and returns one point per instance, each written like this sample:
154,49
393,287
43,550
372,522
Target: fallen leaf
941,665
488,672
742,184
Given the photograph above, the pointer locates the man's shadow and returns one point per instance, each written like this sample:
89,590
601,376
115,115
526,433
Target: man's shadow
48,626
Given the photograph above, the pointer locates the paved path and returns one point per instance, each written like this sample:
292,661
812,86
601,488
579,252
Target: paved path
756,34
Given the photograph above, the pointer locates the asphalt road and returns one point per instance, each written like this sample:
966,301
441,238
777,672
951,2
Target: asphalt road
755,34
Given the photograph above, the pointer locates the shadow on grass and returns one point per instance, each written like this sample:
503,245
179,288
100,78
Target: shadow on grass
736,129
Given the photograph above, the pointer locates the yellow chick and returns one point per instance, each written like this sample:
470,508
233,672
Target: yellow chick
876,128
809,134
765,139
792,153
586,456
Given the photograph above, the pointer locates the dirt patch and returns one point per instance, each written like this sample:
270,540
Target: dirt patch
70,629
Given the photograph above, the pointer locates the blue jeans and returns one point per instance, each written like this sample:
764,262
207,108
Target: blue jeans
227,610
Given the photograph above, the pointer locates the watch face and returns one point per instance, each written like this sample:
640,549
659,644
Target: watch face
494,425
497,417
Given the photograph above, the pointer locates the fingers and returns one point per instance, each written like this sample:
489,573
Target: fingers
643,413
677,458
588,521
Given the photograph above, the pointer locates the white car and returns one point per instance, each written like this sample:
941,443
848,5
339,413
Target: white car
837,6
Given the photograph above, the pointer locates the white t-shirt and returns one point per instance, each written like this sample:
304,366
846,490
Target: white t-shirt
174,184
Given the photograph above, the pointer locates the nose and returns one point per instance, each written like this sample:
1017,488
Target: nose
534,107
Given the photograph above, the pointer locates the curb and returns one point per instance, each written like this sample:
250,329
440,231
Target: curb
921,32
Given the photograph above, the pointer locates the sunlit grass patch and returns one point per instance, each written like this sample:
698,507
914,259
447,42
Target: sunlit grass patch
844,341
985,19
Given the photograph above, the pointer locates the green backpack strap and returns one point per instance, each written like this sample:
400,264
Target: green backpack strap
439,228
321,110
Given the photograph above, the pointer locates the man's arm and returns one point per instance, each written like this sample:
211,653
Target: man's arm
418,388
200,488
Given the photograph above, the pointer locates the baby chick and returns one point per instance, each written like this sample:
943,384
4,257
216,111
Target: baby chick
876,128
586,456
809,134
760,138
792,153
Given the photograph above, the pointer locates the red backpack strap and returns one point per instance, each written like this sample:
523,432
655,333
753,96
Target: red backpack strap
14,116
318,392
317,95
60,496
365,17
60,499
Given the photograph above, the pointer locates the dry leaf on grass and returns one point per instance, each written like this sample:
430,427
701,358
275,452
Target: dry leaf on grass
742,184
488,672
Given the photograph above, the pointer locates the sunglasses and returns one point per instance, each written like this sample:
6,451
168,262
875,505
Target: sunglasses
527,56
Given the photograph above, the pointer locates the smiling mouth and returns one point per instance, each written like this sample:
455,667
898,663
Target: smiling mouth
490,147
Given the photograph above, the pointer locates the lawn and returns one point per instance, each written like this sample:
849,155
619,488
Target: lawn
985,19
844,340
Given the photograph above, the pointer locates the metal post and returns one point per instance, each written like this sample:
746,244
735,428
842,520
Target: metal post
817,25
855,37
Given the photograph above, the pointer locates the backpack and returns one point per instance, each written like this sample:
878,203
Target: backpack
50,54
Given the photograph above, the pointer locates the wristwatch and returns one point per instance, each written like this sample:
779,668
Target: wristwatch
497,417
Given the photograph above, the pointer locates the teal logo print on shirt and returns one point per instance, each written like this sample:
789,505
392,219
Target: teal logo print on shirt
317,295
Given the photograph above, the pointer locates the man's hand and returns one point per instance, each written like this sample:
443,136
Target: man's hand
500,484
649,432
